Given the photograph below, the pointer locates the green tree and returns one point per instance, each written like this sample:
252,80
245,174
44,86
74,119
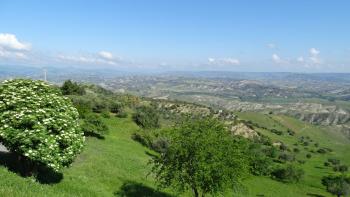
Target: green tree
72,88
38,123
337,185
93,125
203,157
146,117
288,174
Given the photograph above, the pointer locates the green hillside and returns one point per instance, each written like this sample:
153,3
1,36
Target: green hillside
115,163
314,167
101,170
118,165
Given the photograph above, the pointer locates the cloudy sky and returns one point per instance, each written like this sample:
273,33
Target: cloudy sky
269,35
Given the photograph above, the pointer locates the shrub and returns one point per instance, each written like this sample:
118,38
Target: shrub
334,161
146,117
288,174
322,151
308,155
340,168
291,132
271,152
138,137
106,114
116,107
343,168
82,105
286,157
283,147
261,166
337,185
296,150
99,106
38,123
160,145
277,132
72,88
327,164
94,126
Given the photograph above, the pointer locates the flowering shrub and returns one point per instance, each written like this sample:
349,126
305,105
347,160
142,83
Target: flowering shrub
37,122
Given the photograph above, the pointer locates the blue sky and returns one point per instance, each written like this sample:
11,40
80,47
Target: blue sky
296,36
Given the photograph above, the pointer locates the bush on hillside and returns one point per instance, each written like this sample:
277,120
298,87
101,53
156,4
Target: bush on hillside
284,157
93,125
38,123
337,185
82,104
72,88
99,106
106,114
308,155
260,164
116,107
340,168
296,150
334,161
291,132
322,151
146,117
271,151
288,174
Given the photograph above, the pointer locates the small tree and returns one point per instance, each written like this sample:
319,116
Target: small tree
146,117
201,156
38,123
72,88
94,125
337,185
288,174
116,107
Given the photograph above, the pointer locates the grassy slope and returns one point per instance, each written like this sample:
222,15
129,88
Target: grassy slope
314,168
105,165
101,170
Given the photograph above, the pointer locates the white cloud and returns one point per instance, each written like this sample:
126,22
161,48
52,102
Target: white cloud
11,48
106,55
276,58
314,52
300,59
10,42
211,60
100,58
314,56
224,61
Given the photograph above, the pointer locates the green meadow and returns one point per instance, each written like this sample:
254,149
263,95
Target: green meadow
118,166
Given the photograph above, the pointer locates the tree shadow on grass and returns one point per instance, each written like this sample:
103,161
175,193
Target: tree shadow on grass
315,195
43,174
92,134
133,189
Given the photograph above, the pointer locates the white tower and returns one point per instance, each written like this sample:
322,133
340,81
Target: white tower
45,75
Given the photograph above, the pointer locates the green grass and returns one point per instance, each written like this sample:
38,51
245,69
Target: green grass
101,170
118,164
314,168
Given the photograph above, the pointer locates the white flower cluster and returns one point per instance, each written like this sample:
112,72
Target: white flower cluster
40,122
